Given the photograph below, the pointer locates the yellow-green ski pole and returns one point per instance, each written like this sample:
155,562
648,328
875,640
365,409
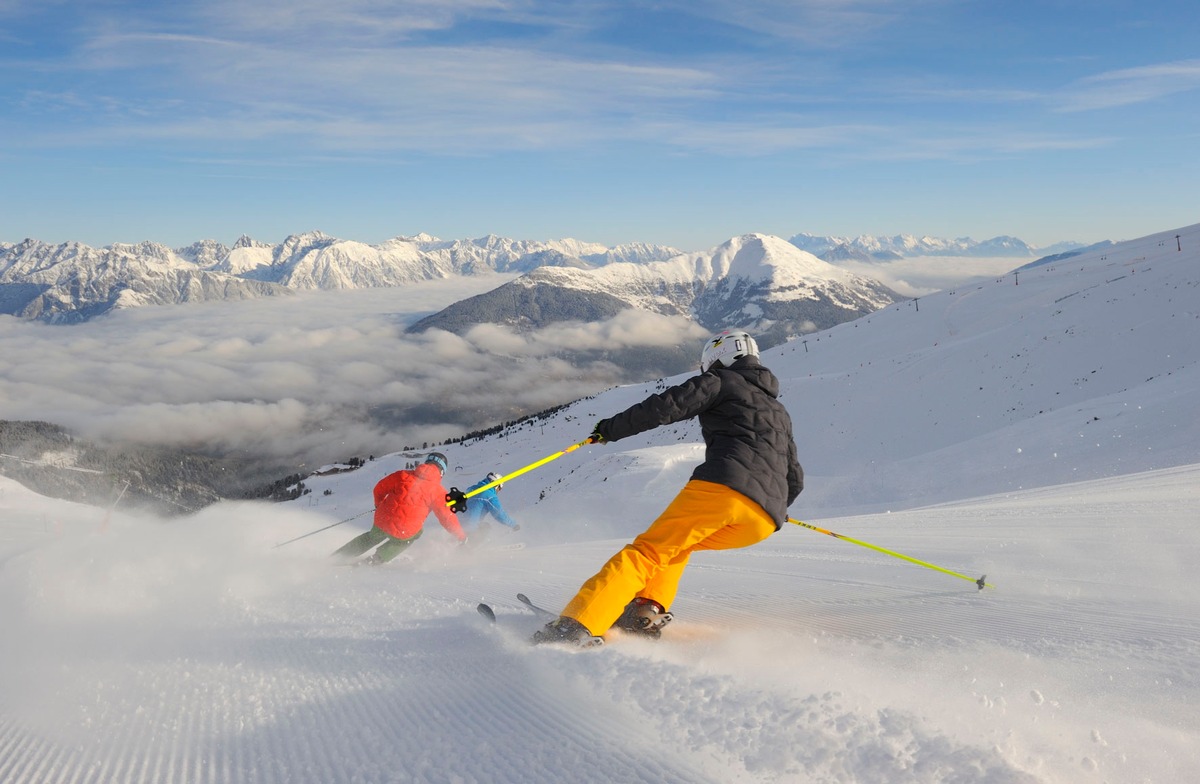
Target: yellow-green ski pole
456,496
981,582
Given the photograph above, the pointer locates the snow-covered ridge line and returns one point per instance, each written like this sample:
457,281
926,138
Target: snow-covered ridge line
73,282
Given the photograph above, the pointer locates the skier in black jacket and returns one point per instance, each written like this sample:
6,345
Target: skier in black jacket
737,497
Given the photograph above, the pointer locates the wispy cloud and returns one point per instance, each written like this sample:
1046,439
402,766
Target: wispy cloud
1130,86
400,96
823,23
364,20
368,76
469,77
765,136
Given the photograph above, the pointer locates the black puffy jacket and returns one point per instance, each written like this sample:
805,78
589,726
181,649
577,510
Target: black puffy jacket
747,431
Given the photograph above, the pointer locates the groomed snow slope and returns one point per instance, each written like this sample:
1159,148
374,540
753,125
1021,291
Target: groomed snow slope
196,651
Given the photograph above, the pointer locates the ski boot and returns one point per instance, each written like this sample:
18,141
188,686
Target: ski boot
644,617
568,631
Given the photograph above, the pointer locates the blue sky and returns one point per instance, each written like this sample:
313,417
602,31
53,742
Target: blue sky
679,123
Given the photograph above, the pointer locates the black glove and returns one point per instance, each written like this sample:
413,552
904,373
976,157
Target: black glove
597,437
457,500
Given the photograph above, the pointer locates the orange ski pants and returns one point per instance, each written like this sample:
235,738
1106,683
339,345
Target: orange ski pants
704,516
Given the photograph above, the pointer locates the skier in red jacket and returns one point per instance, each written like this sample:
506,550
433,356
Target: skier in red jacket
402,502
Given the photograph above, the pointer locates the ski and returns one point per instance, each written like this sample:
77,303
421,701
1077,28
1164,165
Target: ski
487,612
523,599
541,612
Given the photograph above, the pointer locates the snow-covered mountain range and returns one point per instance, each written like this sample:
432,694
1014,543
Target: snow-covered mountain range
873,248
756,281
73,282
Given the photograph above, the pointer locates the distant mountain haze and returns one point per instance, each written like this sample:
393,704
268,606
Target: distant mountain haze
864,248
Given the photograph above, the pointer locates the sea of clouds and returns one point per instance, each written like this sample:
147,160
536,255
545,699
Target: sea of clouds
320,376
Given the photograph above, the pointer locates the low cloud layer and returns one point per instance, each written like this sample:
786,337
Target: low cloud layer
316,377
916,276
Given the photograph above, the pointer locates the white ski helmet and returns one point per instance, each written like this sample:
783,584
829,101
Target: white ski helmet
492,477
723,349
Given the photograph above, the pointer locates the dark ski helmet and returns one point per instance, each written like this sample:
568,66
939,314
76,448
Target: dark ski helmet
492,477
723,349
439,460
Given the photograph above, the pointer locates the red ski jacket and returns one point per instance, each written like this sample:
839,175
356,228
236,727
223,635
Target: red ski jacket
404,499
